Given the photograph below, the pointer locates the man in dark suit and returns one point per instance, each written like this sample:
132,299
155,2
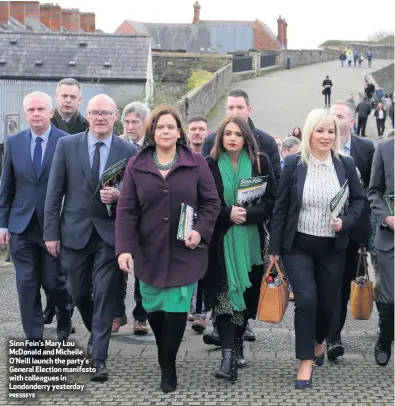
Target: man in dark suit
361,150
380,189
238,104
67,118
363,109
83,231
23,189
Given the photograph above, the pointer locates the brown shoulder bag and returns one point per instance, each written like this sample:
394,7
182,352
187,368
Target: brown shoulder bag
362,290
274,295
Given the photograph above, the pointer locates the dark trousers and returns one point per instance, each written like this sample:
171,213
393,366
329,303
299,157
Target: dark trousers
91,280
386,263
139,312
36,267
327,99
362,126
350,270
380,122
315,271
121,290
50,306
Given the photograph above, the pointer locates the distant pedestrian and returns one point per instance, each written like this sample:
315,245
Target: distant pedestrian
379,94
327,90
342,58
381,116
349,59
369,56
360,60
356,56
391,110
370,88
363,109
297,132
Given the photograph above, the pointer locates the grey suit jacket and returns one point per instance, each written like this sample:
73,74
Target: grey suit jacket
381,184
82,210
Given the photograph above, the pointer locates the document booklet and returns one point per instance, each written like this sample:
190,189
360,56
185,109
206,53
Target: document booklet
389,200
338,203
251,191
112,177
187,221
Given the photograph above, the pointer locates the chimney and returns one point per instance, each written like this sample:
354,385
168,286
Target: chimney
33,14
280,30
196,13
17,10
45,14
88,22
71,19
51,16
4,12
285,34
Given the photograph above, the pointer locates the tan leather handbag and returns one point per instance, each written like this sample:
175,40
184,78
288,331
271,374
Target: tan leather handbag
362,290
274,295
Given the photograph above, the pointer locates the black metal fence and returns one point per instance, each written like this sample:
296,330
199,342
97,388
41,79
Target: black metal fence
268,58
242,63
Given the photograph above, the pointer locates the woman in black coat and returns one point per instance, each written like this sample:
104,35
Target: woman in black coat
232,284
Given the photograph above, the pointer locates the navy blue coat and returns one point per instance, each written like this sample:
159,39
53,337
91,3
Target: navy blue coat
21,192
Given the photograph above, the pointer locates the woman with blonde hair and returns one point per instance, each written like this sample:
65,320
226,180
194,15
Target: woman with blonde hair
311,236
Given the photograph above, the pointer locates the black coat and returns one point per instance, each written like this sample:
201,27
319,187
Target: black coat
376,114
80,125
215,278
364,109
289,203
327,82
265,142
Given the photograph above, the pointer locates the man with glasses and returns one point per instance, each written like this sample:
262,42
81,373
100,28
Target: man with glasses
84,229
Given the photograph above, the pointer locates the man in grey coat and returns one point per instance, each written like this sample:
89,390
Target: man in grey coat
380,196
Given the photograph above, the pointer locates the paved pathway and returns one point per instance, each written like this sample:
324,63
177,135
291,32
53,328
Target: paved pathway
281,100
354,380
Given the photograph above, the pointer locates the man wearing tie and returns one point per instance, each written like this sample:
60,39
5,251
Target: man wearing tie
27,165
134,117
83,230
361,150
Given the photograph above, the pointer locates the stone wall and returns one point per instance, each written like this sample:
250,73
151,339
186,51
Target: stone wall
172,67
385,78
306,56
379,51
201,100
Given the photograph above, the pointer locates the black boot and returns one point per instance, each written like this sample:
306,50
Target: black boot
168,381
156,321
241,362
48,314
382,350
228,368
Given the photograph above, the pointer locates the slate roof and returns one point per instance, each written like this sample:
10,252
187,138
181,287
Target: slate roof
127,54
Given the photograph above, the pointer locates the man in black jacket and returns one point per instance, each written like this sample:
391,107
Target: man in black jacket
362,152
66,115
238,104
363,109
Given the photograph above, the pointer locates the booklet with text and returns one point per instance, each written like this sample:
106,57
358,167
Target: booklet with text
251,191
389,200
338,203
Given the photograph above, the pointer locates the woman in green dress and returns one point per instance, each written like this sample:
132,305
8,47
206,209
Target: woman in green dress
163,176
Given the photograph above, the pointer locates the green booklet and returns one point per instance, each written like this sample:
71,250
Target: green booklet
113,177
339,202
389,200
251,191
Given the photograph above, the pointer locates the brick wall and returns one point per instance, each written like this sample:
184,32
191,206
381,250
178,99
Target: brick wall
201,100
262,40
306,57
379,51
170,67
125,28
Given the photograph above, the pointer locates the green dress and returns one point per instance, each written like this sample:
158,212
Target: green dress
172,300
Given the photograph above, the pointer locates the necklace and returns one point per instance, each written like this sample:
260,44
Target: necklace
164,167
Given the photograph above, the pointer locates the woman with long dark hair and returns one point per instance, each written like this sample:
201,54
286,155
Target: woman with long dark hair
235,270
163,176
297,132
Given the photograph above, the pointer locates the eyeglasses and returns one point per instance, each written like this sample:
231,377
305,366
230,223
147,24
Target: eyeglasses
104,114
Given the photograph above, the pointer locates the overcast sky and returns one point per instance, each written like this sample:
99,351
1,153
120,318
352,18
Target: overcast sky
310,23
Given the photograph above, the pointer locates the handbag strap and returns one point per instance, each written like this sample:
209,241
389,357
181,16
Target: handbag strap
279,272
363,263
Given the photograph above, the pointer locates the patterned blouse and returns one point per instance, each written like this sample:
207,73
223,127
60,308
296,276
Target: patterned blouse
321,185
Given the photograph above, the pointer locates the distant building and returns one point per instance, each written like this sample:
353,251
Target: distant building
118,65
206,35
48,17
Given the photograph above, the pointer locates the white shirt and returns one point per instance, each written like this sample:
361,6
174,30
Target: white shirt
381,114
320,188
104,150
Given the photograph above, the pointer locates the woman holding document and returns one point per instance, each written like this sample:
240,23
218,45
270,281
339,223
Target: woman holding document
318,200
246,187
169,254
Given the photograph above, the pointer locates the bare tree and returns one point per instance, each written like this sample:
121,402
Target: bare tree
379,35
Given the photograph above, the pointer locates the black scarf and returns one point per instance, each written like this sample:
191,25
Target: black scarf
63,125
